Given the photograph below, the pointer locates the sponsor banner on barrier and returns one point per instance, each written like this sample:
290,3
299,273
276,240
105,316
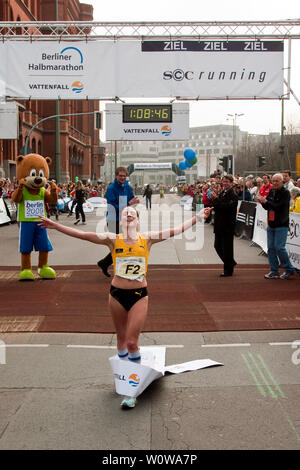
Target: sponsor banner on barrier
193,69
9,120
260,228
244,225
4,219
12,209
87,206
98,202
293,239
187,202
132,379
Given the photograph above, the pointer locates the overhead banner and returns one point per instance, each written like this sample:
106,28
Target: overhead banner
152,166
106,69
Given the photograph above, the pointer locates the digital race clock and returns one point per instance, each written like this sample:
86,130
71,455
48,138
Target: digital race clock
147,113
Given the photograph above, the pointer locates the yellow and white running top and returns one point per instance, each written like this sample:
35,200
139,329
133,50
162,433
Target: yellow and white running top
130,261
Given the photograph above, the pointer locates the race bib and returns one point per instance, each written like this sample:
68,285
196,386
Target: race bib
33,209
131,268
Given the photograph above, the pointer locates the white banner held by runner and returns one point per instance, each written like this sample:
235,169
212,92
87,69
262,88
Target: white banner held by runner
106,69
132,379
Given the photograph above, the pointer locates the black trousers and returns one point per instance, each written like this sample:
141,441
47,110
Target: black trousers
79,210
224,248
72,207
113,227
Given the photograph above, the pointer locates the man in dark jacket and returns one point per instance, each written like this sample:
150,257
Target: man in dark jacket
225,207
148,194
118,195
277,203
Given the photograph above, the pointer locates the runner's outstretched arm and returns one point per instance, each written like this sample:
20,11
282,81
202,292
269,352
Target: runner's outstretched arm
105,238
156,237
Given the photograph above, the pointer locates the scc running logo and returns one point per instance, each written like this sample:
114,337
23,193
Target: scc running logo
294,229
178,75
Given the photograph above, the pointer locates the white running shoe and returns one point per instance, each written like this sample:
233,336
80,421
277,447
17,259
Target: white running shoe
271,275
286,275
128,402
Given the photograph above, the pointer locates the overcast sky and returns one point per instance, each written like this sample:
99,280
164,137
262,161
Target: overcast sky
258,116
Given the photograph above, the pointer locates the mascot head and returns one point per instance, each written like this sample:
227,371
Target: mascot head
34,169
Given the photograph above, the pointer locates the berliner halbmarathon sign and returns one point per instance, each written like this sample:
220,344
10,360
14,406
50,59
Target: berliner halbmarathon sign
105,69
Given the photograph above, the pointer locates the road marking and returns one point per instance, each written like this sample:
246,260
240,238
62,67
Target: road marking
262,376
269,387
26,345
259,386
282,344
229,345
277,387
90,346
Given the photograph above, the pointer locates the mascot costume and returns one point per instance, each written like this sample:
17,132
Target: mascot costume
31,197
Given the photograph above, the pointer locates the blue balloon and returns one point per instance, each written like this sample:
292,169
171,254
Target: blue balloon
182,165
189,154
188,164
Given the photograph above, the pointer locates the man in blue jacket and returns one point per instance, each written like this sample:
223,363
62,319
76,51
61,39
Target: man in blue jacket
119,194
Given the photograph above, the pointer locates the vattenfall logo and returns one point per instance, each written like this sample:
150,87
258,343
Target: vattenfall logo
77,87
134,380
166,130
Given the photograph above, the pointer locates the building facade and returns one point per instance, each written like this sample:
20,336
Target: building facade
209,143
72,142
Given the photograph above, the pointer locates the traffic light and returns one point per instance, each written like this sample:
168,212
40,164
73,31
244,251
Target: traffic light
261,161
223,161
98,120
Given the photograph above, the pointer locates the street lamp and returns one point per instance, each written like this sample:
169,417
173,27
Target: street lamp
234,118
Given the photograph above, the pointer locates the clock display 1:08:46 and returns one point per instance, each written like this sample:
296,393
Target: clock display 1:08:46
149,113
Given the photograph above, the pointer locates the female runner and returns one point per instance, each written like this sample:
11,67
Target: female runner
128,298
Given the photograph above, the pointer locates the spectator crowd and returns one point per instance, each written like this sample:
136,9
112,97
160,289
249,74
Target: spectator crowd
247,188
